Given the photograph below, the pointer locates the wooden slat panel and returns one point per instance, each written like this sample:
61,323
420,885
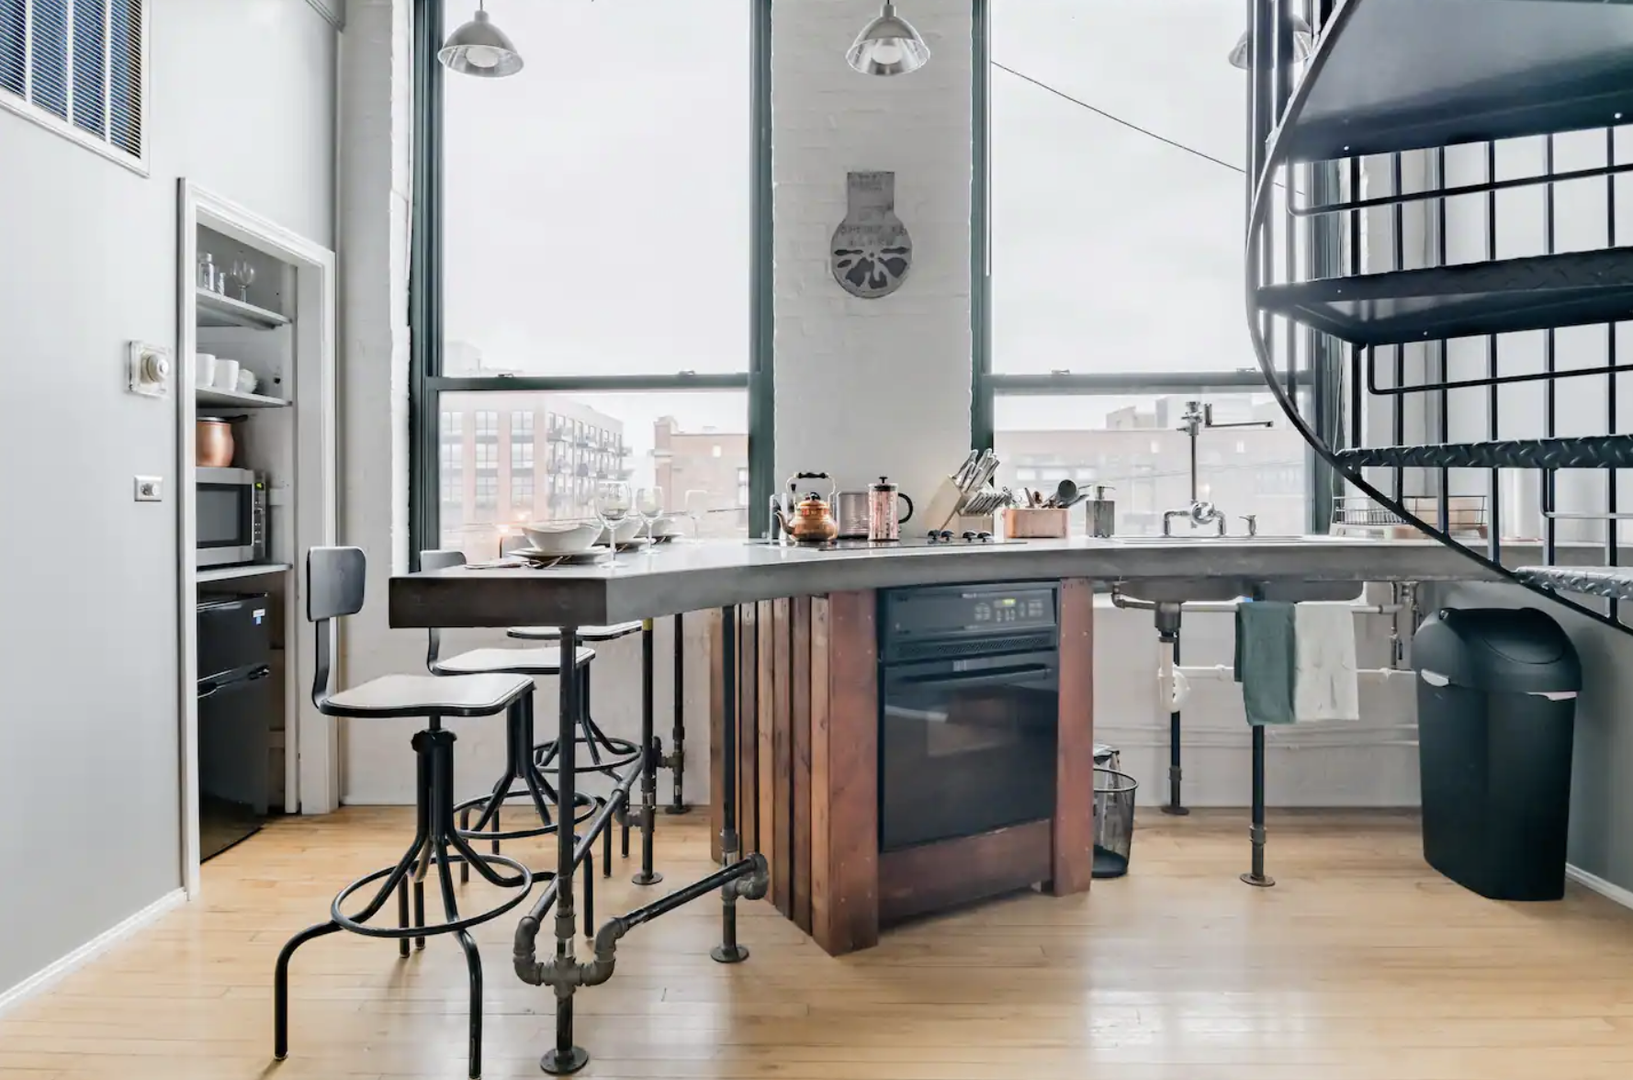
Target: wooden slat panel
932,877
765,711
748,736
782,772
801,690
821,679
719,774
845,771
1074,763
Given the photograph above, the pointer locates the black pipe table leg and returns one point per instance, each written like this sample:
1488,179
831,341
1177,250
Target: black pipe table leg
677,736
728,951
1257,877
649,759
565,1057
1168,633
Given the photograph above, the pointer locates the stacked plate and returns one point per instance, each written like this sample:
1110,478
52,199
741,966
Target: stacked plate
555,539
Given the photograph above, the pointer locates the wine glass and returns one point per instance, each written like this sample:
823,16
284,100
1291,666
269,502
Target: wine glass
612,504
697,504
243,272
649,508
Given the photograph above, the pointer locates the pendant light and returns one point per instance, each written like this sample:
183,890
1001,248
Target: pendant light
888,46
480,48
1241,56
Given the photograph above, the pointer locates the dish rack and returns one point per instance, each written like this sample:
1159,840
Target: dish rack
1361,515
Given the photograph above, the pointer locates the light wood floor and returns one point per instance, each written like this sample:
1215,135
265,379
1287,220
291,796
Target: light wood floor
1360,965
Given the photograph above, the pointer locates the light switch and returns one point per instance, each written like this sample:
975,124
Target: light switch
150,489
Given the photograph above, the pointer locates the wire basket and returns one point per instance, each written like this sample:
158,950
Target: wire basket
1465,516
1113,822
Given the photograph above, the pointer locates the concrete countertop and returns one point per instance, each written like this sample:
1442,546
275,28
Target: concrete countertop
688,576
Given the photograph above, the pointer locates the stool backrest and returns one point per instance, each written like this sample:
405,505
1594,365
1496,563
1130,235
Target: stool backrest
334,582
438,559
334,589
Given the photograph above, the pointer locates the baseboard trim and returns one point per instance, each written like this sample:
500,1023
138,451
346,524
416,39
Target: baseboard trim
1609,891
90,950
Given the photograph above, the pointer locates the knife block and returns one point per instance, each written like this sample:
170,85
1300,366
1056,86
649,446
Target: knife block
943,506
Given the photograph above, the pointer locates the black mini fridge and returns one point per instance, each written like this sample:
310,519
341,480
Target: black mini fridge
236,702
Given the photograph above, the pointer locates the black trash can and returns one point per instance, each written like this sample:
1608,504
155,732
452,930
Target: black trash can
1496,720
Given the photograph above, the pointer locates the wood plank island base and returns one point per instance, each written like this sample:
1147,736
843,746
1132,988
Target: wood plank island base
804,697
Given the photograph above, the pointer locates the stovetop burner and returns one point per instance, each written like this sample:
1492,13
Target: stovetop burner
940,539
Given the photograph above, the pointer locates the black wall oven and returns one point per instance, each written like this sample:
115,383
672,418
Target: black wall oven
969,686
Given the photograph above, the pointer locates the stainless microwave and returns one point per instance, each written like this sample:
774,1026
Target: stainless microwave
231,517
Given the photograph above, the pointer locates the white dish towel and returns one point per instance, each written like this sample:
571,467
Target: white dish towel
1325,686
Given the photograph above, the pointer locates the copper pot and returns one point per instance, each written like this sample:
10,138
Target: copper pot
213,441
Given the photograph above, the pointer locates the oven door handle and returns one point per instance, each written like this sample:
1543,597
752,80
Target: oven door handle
973,678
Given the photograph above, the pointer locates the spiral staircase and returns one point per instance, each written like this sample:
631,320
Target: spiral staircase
1449,385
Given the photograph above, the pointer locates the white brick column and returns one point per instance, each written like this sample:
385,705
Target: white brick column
870,387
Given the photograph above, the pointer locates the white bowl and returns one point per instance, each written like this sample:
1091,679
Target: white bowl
562,537
626,530
665,526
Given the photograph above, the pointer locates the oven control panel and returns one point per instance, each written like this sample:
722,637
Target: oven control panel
965,613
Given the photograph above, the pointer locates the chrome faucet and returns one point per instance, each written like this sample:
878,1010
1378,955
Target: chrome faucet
1198,416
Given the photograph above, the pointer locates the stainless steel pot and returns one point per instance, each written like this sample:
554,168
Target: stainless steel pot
851,509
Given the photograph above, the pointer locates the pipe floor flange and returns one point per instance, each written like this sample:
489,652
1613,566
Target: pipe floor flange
736,954
1257,881
556,1063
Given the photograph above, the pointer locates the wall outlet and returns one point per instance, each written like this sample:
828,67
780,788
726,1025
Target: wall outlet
149,489
148,369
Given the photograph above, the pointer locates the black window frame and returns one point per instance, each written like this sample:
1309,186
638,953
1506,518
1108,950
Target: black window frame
427,383
1318,384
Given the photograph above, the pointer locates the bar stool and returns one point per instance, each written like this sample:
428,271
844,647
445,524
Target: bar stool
334,585
520,764
608,754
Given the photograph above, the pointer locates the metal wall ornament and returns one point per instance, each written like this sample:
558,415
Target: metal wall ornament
871,252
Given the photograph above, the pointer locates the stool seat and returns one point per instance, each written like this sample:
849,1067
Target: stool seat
544,660
610,632
419,695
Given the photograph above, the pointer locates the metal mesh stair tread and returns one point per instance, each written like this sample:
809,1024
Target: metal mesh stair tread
1613,582
1455,74
1588,452
1505,296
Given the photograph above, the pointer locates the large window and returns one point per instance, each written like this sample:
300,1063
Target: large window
567,197
1115,246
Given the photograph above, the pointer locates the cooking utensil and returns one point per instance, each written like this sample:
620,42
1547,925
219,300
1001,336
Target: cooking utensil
213,441
811,522
885,515
1065,494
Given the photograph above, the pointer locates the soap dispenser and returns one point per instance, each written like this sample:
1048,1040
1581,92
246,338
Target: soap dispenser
1102,513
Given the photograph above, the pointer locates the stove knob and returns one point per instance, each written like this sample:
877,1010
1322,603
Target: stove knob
968,536
947,535
934,536
983,537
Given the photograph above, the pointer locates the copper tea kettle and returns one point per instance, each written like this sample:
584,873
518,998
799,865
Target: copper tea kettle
809,520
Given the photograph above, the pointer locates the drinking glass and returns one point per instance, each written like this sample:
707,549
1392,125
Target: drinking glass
243,274
612,504
649,508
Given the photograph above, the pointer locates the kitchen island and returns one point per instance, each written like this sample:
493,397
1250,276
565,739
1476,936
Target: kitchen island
795,687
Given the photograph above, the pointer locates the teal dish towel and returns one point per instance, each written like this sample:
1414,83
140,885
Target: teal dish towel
1267,660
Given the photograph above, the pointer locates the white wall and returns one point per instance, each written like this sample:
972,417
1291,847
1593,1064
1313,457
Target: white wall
871,387
242,102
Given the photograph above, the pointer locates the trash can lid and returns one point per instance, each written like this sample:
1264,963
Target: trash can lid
1104,751
1502,650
